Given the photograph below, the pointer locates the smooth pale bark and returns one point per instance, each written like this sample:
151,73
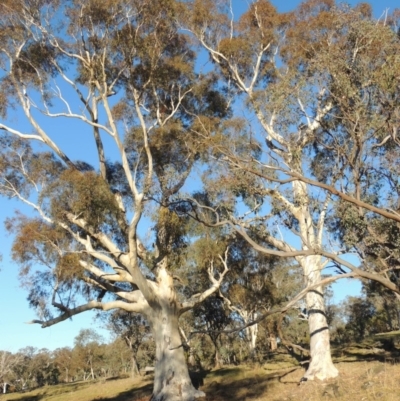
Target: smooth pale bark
171,375
321,366
217,357
251,333
192,361
134,365
273,345
134,368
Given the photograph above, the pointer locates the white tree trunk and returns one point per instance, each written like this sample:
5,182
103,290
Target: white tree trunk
134,368
134,365
217,357
171,376
321,366
273,345
251,332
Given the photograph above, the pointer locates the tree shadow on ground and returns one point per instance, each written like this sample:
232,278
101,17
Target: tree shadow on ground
282,380
198,377
23,398
137,394
350,356
254,386
226,371
113,378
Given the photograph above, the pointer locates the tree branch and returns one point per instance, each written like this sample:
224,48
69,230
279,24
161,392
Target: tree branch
135,308
281,310
216,284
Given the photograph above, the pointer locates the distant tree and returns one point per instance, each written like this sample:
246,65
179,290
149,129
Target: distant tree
35,368
359,314
24,375
43,368
132,329
117,358
257,282
89,351
376,311
212,317
63,359
387,306
7,363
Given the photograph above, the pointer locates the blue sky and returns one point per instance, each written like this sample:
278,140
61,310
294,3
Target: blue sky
15,333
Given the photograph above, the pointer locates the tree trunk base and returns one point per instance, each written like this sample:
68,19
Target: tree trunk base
321,371
178,392
171,375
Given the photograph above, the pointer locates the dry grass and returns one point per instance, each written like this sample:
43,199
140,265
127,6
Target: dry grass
359,380
109,390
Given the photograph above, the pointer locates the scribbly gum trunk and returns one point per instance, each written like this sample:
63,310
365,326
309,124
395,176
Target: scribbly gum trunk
217,357
171,376
273,344
135,368
321,366
251,336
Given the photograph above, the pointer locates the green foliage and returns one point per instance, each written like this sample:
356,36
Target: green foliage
352,226
36,57
38,243
85,195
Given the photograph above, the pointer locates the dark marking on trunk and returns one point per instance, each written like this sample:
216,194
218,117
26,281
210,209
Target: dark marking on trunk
318,293
319,330
170,377
316,311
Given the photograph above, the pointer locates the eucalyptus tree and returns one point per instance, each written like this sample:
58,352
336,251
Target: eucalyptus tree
132,329
89,351
63,359
256,284
386,304
365,91
35,368
212,316
359,140
308,80
7,363
122,74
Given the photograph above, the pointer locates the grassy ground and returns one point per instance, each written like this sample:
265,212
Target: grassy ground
109,390
366,374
